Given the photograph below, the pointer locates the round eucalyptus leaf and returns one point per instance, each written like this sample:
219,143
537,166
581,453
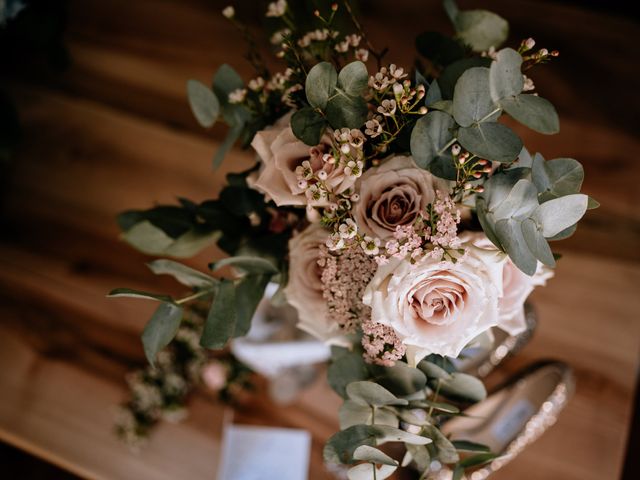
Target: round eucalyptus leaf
161,329
505,76
373,455
353,78
560,213
509,232
481,29
386,434
352,413
400,379
346,111
471,97
340,447
487,222
308,125
372,394
450,75
463,386
491,141
203,102
557,177
320,84
430,135
520,203
537,243
368,471
533,111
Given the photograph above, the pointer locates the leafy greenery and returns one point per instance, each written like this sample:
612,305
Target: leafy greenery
161,329
204,103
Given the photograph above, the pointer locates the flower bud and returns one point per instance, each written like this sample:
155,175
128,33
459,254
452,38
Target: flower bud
229,12
422,110
529,43
322,175
543,52
455,150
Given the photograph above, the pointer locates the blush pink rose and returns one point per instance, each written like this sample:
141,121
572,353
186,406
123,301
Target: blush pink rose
393,194
281,153
516,287
304,288
434,306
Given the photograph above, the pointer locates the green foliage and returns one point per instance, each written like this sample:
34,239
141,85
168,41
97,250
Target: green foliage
148,238
161,329
450,75
439,48
344,369
367,471
372,394
183,274
308,125
249,293
520,216
353,79
445,451
490,140
131,293
506,78
320,84
221,320
460,386
249,264
480,29
471,100
373,455
204,103
431,137
400,379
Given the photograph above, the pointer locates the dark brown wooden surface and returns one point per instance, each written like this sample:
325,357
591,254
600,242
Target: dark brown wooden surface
115,132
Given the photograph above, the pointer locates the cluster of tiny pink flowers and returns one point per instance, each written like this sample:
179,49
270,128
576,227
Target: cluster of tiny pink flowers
446,227
407,242
344,278
381,344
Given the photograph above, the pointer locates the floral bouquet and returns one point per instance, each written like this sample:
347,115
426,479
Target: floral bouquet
397,212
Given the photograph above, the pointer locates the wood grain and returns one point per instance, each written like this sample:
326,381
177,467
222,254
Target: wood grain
115,132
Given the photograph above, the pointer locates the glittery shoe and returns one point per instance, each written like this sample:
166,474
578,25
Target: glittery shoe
512,417
480,360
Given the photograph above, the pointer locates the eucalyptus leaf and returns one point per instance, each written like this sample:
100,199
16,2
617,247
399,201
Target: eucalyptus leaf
221,320
346,111
368,471
340,447
203,102
131,293
373,455
486,223
481,29
320,84
247,263
161,329
433,95
429,137
400,379
386,434
450,75
308,125
520,203
557,177
500,184
370,393
467,446
471,98
353,78
512,238
343,370
479,459
232,136
353,413
445,106
505,77
433,371
420,456
533,111
445,451
560,213
536,242
491,141
463,386
225,81
566,233
249,293
183,274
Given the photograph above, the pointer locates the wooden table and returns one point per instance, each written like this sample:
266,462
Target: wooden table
115,132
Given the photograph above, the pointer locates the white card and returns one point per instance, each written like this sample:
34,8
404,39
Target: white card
261,453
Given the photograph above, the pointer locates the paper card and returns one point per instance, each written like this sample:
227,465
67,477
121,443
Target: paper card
261,453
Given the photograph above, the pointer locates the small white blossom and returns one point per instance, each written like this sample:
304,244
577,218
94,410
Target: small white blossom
335,242
353,168
348,229
278,37
256,84
528,84
238,95
388,108
396,72
277,9
371,246
229,12
373,128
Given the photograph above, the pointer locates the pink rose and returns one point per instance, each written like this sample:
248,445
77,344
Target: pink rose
435,306
516,287
282,153
393,194
304,289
